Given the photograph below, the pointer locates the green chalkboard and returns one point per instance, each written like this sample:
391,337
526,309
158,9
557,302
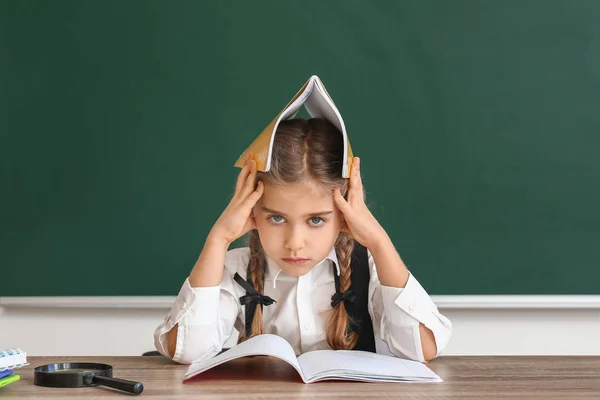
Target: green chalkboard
478,124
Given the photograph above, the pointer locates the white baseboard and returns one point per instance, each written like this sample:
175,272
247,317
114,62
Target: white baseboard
511,327
454,302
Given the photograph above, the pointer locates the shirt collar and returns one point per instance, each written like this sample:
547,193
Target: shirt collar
274,269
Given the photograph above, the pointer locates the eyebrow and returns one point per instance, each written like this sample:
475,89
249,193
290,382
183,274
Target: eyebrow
265,209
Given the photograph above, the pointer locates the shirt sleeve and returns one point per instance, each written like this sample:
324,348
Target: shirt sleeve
205,316
398,312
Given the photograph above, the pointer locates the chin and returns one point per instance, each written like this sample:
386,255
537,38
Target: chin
291,270
297,272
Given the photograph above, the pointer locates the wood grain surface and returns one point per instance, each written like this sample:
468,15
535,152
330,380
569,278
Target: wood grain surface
543,377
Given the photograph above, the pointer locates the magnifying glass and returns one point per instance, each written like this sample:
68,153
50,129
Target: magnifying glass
71,375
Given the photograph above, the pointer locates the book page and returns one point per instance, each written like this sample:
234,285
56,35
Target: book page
320,105
262,345
362,366
293,108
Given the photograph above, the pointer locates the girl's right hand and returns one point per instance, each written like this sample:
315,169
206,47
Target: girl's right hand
237,219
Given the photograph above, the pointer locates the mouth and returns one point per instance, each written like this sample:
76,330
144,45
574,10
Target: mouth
296,260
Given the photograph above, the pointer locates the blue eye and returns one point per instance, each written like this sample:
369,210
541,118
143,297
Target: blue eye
276,219
316,221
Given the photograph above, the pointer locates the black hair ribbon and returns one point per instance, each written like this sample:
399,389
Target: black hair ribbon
339,297
348,295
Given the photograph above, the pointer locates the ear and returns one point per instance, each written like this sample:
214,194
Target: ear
256,207
344,227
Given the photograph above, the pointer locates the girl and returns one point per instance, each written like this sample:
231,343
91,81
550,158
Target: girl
320,271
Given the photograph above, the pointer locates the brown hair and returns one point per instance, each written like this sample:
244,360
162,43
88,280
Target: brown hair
308,150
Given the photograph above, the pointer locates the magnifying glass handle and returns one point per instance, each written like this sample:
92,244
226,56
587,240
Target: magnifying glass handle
121,384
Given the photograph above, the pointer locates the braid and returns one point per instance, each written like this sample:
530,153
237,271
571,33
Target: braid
256,269
338,335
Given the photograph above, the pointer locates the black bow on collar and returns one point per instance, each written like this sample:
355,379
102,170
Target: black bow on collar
256,298
252,295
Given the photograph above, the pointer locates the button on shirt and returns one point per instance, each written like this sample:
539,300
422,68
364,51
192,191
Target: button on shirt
207,316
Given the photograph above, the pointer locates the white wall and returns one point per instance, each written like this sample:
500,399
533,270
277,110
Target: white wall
505,327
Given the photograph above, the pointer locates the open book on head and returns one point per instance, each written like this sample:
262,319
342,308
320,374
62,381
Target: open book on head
320,365
315,98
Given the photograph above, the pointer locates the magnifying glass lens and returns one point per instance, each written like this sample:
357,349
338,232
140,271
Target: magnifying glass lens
69,375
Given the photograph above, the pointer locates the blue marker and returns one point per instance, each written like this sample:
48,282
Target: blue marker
5,373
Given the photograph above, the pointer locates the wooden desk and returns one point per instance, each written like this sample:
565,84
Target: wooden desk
265,378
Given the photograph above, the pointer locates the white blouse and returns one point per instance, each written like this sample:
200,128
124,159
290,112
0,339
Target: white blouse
207,315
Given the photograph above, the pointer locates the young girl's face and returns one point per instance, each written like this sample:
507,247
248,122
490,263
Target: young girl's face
298,225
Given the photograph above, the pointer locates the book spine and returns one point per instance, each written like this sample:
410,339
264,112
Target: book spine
12,359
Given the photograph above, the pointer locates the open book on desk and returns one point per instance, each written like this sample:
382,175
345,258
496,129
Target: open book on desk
320,365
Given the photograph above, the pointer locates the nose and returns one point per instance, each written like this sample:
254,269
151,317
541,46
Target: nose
294,239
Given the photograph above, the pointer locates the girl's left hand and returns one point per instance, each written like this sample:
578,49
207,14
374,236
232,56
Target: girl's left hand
360,223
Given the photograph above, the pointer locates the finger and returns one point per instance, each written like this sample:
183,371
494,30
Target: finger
357,177
341,203
243,175
250,183
356,186
256,195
